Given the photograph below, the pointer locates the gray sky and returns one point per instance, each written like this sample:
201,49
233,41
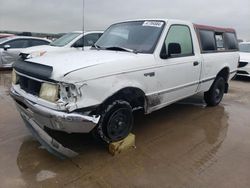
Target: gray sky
66,15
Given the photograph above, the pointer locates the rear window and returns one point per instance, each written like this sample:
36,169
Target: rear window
207,40
231,41
213,41
219,41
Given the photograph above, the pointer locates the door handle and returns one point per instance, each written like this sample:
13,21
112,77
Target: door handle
195,63
150,74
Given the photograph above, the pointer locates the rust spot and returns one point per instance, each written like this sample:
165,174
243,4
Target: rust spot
154,100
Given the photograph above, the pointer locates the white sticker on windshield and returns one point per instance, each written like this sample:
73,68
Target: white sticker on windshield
152,24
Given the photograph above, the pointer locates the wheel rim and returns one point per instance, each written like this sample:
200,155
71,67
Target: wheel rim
219,92
119,124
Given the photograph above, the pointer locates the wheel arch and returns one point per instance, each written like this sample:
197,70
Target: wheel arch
133,95
224,73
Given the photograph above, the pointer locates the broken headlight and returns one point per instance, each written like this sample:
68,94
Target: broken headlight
49,92
68,92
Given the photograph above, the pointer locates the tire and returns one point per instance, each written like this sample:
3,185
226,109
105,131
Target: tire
215,94
115,123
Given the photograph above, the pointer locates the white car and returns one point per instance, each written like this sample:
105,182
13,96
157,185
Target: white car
10,48
244,64
70,41
141,64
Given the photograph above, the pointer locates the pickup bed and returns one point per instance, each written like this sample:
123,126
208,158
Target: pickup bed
140,64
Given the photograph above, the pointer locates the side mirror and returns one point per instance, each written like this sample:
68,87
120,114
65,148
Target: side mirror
6,47
174,49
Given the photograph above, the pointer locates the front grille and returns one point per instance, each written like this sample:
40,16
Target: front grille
242,72
30,86
242,64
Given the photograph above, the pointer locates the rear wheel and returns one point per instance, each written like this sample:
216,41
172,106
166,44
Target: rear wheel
215,94
116,122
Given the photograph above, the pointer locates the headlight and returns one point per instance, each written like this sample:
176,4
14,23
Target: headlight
14,77
36,54
49,92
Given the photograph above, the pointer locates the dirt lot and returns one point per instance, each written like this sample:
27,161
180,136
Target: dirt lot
183,145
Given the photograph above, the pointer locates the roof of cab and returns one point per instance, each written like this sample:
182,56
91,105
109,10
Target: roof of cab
213,28
198,26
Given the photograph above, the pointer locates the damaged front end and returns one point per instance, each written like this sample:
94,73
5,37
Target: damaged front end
43,104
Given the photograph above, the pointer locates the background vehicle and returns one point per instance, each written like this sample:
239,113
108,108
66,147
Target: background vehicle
69,41
141,64
10,48
244,64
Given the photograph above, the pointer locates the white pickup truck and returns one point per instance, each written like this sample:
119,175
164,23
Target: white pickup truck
141,64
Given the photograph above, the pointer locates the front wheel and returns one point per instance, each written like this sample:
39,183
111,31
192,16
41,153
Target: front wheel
115,123
215,94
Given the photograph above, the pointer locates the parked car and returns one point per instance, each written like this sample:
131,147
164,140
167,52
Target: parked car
70,41
10,48
244,64
141,64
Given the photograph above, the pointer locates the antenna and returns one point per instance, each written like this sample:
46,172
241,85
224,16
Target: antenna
83,25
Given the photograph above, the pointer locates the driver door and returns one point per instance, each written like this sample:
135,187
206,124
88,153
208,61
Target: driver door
180,67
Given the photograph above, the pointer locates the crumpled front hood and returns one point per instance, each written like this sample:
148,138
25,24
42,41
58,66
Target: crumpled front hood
67,63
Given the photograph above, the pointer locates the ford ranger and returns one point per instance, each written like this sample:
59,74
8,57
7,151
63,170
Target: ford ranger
140,64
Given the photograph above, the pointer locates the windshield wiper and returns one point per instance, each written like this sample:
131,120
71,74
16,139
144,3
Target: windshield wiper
96,46
118,48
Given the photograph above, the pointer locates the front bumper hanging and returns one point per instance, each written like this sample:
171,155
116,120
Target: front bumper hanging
37,117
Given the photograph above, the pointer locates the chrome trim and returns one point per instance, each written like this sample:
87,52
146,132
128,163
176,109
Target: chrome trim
207,80
181,87
68,122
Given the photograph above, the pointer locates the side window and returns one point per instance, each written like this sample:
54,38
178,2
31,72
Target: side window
18,43
231,41
179,40
89,40
207,40
219,41
35,42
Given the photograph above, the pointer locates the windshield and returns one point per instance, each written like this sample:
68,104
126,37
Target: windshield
245,48
136,36
65,39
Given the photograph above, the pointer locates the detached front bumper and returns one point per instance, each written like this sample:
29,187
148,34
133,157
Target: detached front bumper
37,117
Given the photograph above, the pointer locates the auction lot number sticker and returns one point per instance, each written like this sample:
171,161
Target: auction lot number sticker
152,23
